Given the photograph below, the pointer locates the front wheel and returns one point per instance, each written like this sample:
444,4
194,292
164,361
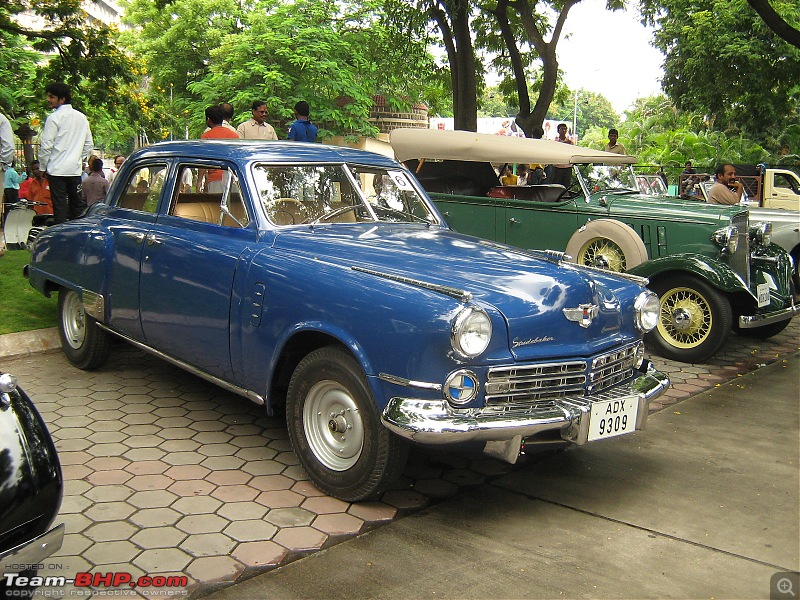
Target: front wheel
336,430
694,321
84,343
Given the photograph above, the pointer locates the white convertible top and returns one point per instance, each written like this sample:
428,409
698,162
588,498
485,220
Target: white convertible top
436,144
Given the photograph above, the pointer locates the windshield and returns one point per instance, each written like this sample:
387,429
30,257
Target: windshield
308,194
620,179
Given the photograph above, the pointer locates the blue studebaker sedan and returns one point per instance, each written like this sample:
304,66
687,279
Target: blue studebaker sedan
322,281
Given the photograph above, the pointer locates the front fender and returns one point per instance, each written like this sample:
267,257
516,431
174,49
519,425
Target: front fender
713,271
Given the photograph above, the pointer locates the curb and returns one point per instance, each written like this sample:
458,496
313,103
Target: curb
29,342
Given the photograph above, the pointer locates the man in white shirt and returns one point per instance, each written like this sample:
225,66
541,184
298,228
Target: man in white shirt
65,145
257,128
7,152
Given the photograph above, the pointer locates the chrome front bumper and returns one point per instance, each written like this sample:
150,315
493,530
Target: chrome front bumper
436,422
753,321
33,552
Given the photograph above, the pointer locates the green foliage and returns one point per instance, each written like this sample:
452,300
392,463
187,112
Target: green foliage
657,133
336,55
724,62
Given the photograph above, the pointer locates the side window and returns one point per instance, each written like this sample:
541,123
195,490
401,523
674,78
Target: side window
218,204
143,188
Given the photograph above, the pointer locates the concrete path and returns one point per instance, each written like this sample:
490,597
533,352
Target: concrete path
704,504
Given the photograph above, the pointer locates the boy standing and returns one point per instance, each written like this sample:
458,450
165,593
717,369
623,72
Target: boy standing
302,130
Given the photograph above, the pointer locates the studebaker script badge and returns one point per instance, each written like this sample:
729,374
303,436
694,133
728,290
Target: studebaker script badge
582,315
516,342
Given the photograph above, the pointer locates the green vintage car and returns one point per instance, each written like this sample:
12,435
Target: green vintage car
713,269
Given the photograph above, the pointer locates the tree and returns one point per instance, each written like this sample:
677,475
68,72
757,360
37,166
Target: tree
723,61
337,55
775,22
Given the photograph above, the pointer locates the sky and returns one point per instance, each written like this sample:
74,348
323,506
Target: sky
609,53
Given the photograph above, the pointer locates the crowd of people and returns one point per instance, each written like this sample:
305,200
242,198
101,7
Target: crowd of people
67,177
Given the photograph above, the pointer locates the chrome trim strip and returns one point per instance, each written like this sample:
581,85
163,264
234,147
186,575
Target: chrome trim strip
435,422
460,295
753,321
36,550
239,391
94,304
436,387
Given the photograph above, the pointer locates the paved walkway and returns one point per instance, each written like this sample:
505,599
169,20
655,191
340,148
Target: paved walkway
167,474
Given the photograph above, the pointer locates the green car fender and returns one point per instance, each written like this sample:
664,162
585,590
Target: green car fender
715,272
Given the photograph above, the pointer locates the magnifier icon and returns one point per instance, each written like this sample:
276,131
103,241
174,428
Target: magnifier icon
784,586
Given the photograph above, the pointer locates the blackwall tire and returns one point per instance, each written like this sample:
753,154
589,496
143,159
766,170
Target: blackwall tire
336,430
84,343
694,321
608,244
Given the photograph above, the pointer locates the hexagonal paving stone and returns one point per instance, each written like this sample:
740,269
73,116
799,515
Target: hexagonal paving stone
300,539
152,499
280,499
193,505
192,488
215,568
107,532
109,511
289,517
112,552
155,517
182,472
208,544
338,524
259,553
242,511
153,561
202,524
108,493
158,537
149,482
251,531
325,505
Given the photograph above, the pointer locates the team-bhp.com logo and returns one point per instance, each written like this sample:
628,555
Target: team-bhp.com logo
146,584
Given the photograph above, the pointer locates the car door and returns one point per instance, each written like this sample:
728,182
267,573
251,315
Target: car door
189,261
540,225
130,218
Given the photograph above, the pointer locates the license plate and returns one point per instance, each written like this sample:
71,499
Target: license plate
612,417
763,294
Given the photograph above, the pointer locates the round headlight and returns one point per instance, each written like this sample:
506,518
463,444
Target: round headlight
8,383
761,233
472,330
646,309
727,238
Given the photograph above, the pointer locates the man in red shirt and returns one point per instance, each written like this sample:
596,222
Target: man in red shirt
211,180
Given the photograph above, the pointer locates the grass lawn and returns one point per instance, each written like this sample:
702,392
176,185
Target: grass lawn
22,308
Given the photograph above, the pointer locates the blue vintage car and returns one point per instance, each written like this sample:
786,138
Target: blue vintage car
322,281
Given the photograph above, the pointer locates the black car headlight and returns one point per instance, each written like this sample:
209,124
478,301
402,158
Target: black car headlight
727,239
645,311
761,233
471,332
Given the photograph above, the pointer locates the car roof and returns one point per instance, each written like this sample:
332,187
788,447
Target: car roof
267,151
433,144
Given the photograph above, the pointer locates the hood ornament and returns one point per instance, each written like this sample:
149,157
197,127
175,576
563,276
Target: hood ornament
583,315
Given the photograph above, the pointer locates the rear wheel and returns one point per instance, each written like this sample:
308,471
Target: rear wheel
84,343
694,322
607,244
335,428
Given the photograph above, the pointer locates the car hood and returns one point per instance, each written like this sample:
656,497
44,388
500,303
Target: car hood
530,292
635,206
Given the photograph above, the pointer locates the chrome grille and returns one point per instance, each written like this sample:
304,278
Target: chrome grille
740,260
544,382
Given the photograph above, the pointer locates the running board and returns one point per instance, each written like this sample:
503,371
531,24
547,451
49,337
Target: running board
240,391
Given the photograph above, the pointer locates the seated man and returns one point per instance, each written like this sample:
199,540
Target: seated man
726,190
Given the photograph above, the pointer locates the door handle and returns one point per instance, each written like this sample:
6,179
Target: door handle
513,220
137,236
152,239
